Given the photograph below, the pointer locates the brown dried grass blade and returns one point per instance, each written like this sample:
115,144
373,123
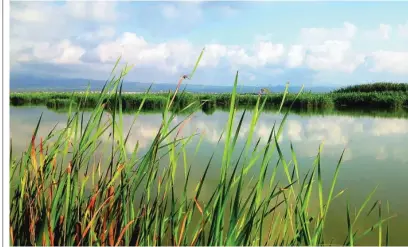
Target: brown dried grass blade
196,237
183,226
11,235
93,218
177,88
33,158
111,234
198,206
78,230
123,232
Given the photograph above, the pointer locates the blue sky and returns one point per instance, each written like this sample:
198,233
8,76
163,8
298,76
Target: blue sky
270,43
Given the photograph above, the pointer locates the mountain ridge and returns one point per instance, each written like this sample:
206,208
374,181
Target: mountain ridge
19,83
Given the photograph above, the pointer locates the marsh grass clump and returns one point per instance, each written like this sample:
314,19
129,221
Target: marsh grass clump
375,87
374,100
132,102
61,196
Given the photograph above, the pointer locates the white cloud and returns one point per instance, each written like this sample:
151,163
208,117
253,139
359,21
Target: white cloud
333,55
238,56
102,33
326,49
41,31
97,10
263,53
382,32
403,30
296,56
174,55
55,33
27,15
67,53
385,31
390,61
212,55
269,53
136,50
317,36
101,11
63,52
37,21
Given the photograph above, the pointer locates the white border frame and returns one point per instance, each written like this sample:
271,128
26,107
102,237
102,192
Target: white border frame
5,146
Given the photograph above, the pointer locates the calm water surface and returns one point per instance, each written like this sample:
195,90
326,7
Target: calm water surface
376,153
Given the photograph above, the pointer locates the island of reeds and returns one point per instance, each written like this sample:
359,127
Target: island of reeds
61,196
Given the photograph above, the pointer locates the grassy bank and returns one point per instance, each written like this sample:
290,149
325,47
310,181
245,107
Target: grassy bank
60,196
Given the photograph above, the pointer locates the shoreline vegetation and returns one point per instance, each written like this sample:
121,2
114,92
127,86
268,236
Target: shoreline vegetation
377,99
61,199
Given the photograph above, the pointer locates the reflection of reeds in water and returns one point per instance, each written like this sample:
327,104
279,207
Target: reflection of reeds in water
60,196
209,107
388,104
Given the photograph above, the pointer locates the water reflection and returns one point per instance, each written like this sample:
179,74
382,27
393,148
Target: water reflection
375,154
368,136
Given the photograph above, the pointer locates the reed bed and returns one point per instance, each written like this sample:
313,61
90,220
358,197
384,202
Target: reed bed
132,101
379,100
60,196
375,87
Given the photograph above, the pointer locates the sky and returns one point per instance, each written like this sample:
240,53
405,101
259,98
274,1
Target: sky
269,43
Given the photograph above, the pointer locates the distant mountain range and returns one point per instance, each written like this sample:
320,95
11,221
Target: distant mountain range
20,83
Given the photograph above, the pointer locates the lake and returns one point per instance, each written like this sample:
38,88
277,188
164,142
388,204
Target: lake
376,153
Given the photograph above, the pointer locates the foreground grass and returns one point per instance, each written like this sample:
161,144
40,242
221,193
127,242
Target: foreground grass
60,196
